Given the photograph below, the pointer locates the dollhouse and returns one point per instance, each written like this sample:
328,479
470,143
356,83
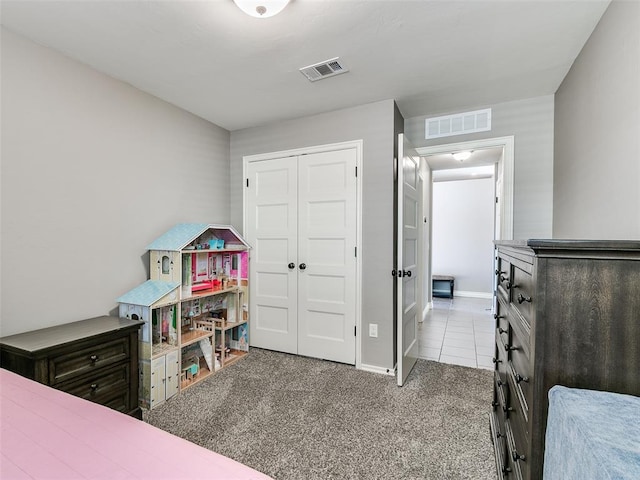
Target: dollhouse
194,308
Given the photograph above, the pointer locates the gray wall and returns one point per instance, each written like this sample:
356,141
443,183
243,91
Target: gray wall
93,170
530,121
374,124
463,234
597,133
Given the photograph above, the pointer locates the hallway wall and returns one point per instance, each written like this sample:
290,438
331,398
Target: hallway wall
463,234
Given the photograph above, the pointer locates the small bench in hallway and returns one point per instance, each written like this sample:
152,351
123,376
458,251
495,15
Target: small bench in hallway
443,286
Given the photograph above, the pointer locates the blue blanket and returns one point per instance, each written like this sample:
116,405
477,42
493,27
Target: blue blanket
592,435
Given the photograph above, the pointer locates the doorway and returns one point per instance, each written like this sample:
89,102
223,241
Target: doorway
460,329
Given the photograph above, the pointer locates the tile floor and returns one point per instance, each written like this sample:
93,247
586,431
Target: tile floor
459,331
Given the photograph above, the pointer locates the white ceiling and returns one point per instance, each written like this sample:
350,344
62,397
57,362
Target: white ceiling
237,71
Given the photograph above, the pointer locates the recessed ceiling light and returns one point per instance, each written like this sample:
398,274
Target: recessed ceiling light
462,156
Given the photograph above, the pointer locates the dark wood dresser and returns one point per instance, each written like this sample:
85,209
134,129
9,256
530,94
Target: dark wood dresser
95,359
567,313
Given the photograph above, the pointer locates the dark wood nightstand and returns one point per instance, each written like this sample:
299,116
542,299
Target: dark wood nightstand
95,359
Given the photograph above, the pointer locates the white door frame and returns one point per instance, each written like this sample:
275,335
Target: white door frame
507,166
358,146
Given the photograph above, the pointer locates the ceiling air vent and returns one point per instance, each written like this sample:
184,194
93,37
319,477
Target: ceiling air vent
326,69
457,124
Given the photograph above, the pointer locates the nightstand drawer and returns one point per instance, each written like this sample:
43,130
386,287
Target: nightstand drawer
110,386
90,358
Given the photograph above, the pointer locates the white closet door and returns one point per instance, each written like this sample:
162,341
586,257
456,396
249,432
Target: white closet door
326,255
271,225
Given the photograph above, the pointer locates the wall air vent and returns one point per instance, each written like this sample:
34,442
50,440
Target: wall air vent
457,124
326,69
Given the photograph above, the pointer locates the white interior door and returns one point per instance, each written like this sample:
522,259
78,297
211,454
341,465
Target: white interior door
271,227
326,255
301,220
407,271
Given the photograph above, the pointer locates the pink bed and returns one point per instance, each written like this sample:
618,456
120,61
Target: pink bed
46,433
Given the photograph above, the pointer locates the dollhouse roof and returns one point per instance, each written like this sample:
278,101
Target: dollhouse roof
184,233
148,293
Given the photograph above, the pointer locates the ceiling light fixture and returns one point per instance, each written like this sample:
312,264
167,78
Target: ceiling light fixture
261,8
462,156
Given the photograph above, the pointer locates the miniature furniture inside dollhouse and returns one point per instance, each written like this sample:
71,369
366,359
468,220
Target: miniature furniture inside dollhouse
194,308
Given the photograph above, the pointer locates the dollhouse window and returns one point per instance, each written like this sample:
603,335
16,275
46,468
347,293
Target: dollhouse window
165,265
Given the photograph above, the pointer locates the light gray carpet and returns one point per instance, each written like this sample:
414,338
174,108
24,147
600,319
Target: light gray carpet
299,418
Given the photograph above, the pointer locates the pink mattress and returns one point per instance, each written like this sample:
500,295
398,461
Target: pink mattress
46,433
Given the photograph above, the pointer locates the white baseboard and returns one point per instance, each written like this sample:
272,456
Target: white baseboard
462,293
428,307
374,369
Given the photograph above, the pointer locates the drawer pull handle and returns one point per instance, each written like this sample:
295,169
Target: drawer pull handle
502,330
520,378
506,409
503,279
499,435
506,470
93,358
517,457
499,383
496,316
508,347
494,404
522,298
510,286
496,360
500,272
94,386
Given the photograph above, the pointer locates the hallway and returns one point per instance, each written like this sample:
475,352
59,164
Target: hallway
458,331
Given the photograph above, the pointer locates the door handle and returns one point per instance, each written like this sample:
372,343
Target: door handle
291,266
302,266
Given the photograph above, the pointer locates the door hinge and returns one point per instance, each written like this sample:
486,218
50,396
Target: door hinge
497,200
247,182
354,331
355,251
356,170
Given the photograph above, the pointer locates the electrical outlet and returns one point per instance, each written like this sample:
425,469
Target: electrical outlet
373,330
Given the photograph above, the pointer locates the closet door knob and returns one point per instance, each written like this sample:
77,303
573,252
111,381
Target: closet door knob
302,266
291,266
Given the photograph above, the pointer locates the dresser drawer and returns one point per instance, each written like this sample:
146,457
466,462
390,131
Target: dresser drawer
88,358
109,386
502,320
517,420
520,370
519,340
522,295
513,460
501,360
503,279
498,438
